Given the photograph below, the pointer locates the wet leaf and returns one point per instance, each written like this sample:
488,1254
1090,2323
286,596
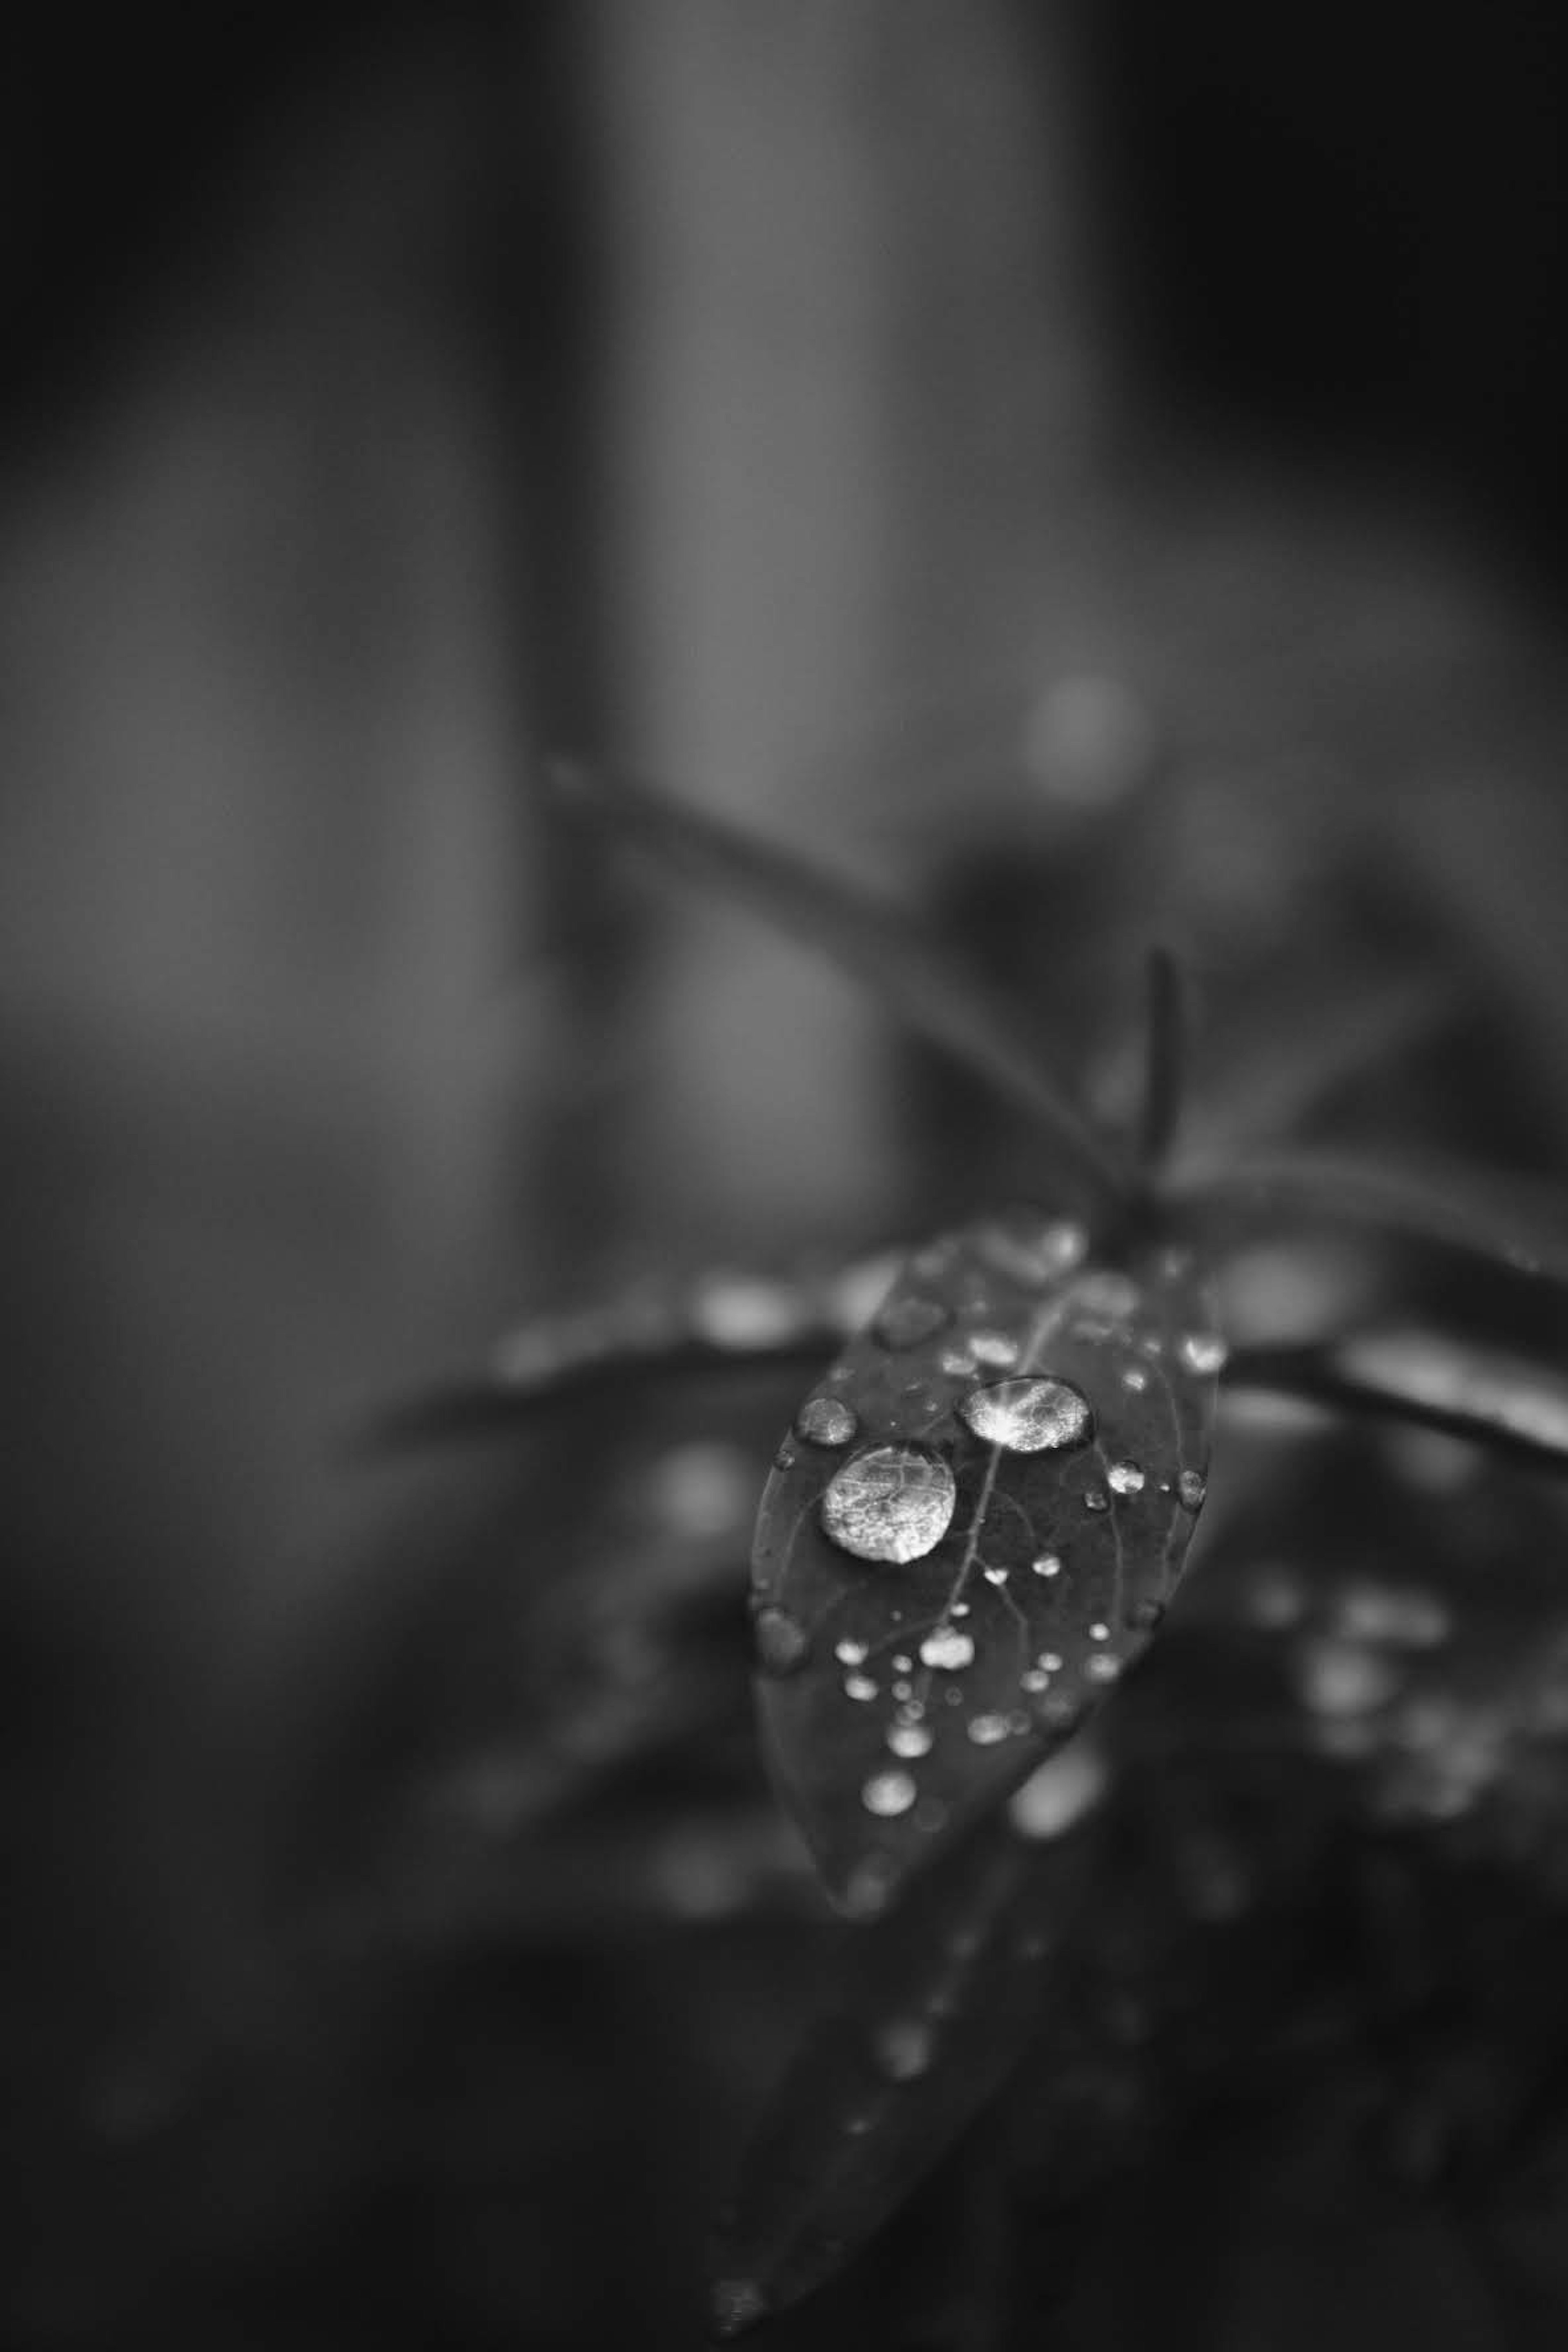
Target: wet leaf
939,1998
877,944
1515,1224
975,1524
1508,1403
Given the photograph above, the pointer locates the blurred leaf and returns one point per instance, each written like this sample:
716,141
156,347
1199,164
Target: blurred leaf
1166,1063
939,1998
1515,1224
877,945
976,1523
1507,1403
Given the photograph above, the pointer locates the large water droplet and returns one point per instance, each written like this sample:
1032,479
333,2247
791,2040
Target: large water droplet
905,1322
782,1642
826,1421
902,2048
945,1646
1125,1478
1031,1415
1202,1352
887,1795
892,1502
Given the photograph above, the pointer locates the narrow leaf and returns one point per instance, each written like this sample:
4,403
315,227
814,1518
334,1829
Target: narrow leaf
877,945
1506,1402
939,1998
1512,1223
975,1525
1166,1069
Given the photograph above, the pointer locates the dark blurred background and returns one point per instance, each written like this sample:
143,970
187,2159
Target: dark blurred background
1098,465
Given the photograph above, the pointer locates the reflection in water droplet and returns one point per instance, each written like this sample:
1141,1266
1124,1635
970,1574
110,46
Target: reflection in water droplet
1096,1499
892,1502
1048,1564
905,1322
945,1646
1032,1416
1060,1791
985,1730
902,2048
826,1421
1191,1488
1144,1615
1125,1478
910,1740
849,1653
782,1642
1202,1352
859,1686
889,1794
996,1349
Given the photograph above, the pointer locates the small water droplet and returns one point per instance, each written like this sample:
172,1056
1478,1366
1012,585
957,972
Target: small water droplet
1125,1478
826,1421
945,1646
902,2048
910,1740
998,1350
859,1686
995,1576
738,2304
1202,1352
1107,1293
1050,1660
1060,1791
959,1609
892,1503
1404,1615
905,1322
1144,1615
1191,1488
1102,1667
1096,1499
1099,1630
856,2125
1034,1678
1341,1678
1033,1416
902,1690
887,1795
1048,1564
902,1665
1136,1379
782,1642
985,1730
871,1883
956,1362
1274,1599
850,1653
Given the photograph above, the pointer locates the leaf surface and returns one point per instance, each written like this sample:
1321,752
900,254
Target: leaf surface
1514,1405
975,1525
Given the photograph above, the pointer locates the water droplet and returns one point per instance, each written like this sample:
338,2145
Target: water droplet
871,1883
859,1686
905,1322
1276,1598
850,1653
902,2048
738,2304
1034,1678
1109,1294
995,1576
1144,1615
911,1738
1202,1352
1050,1660
1403,1616
856,2125
1096,1499
1125,1478
1033,1255
892,1502
887,1795
985,1730
996,1349
1102,1667
959,1609
826,1421
1099,1630
1191,1488
1342,1678
945,1646
956,1362
1033,1416
1136,1379
782,1642
1048,1564
1060,1791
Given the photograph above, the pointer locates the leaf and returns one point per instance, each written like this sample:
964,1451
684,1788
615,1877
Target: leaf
877,944
939,1998
976,1523
1512,1222
1166,1069
1507,1403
